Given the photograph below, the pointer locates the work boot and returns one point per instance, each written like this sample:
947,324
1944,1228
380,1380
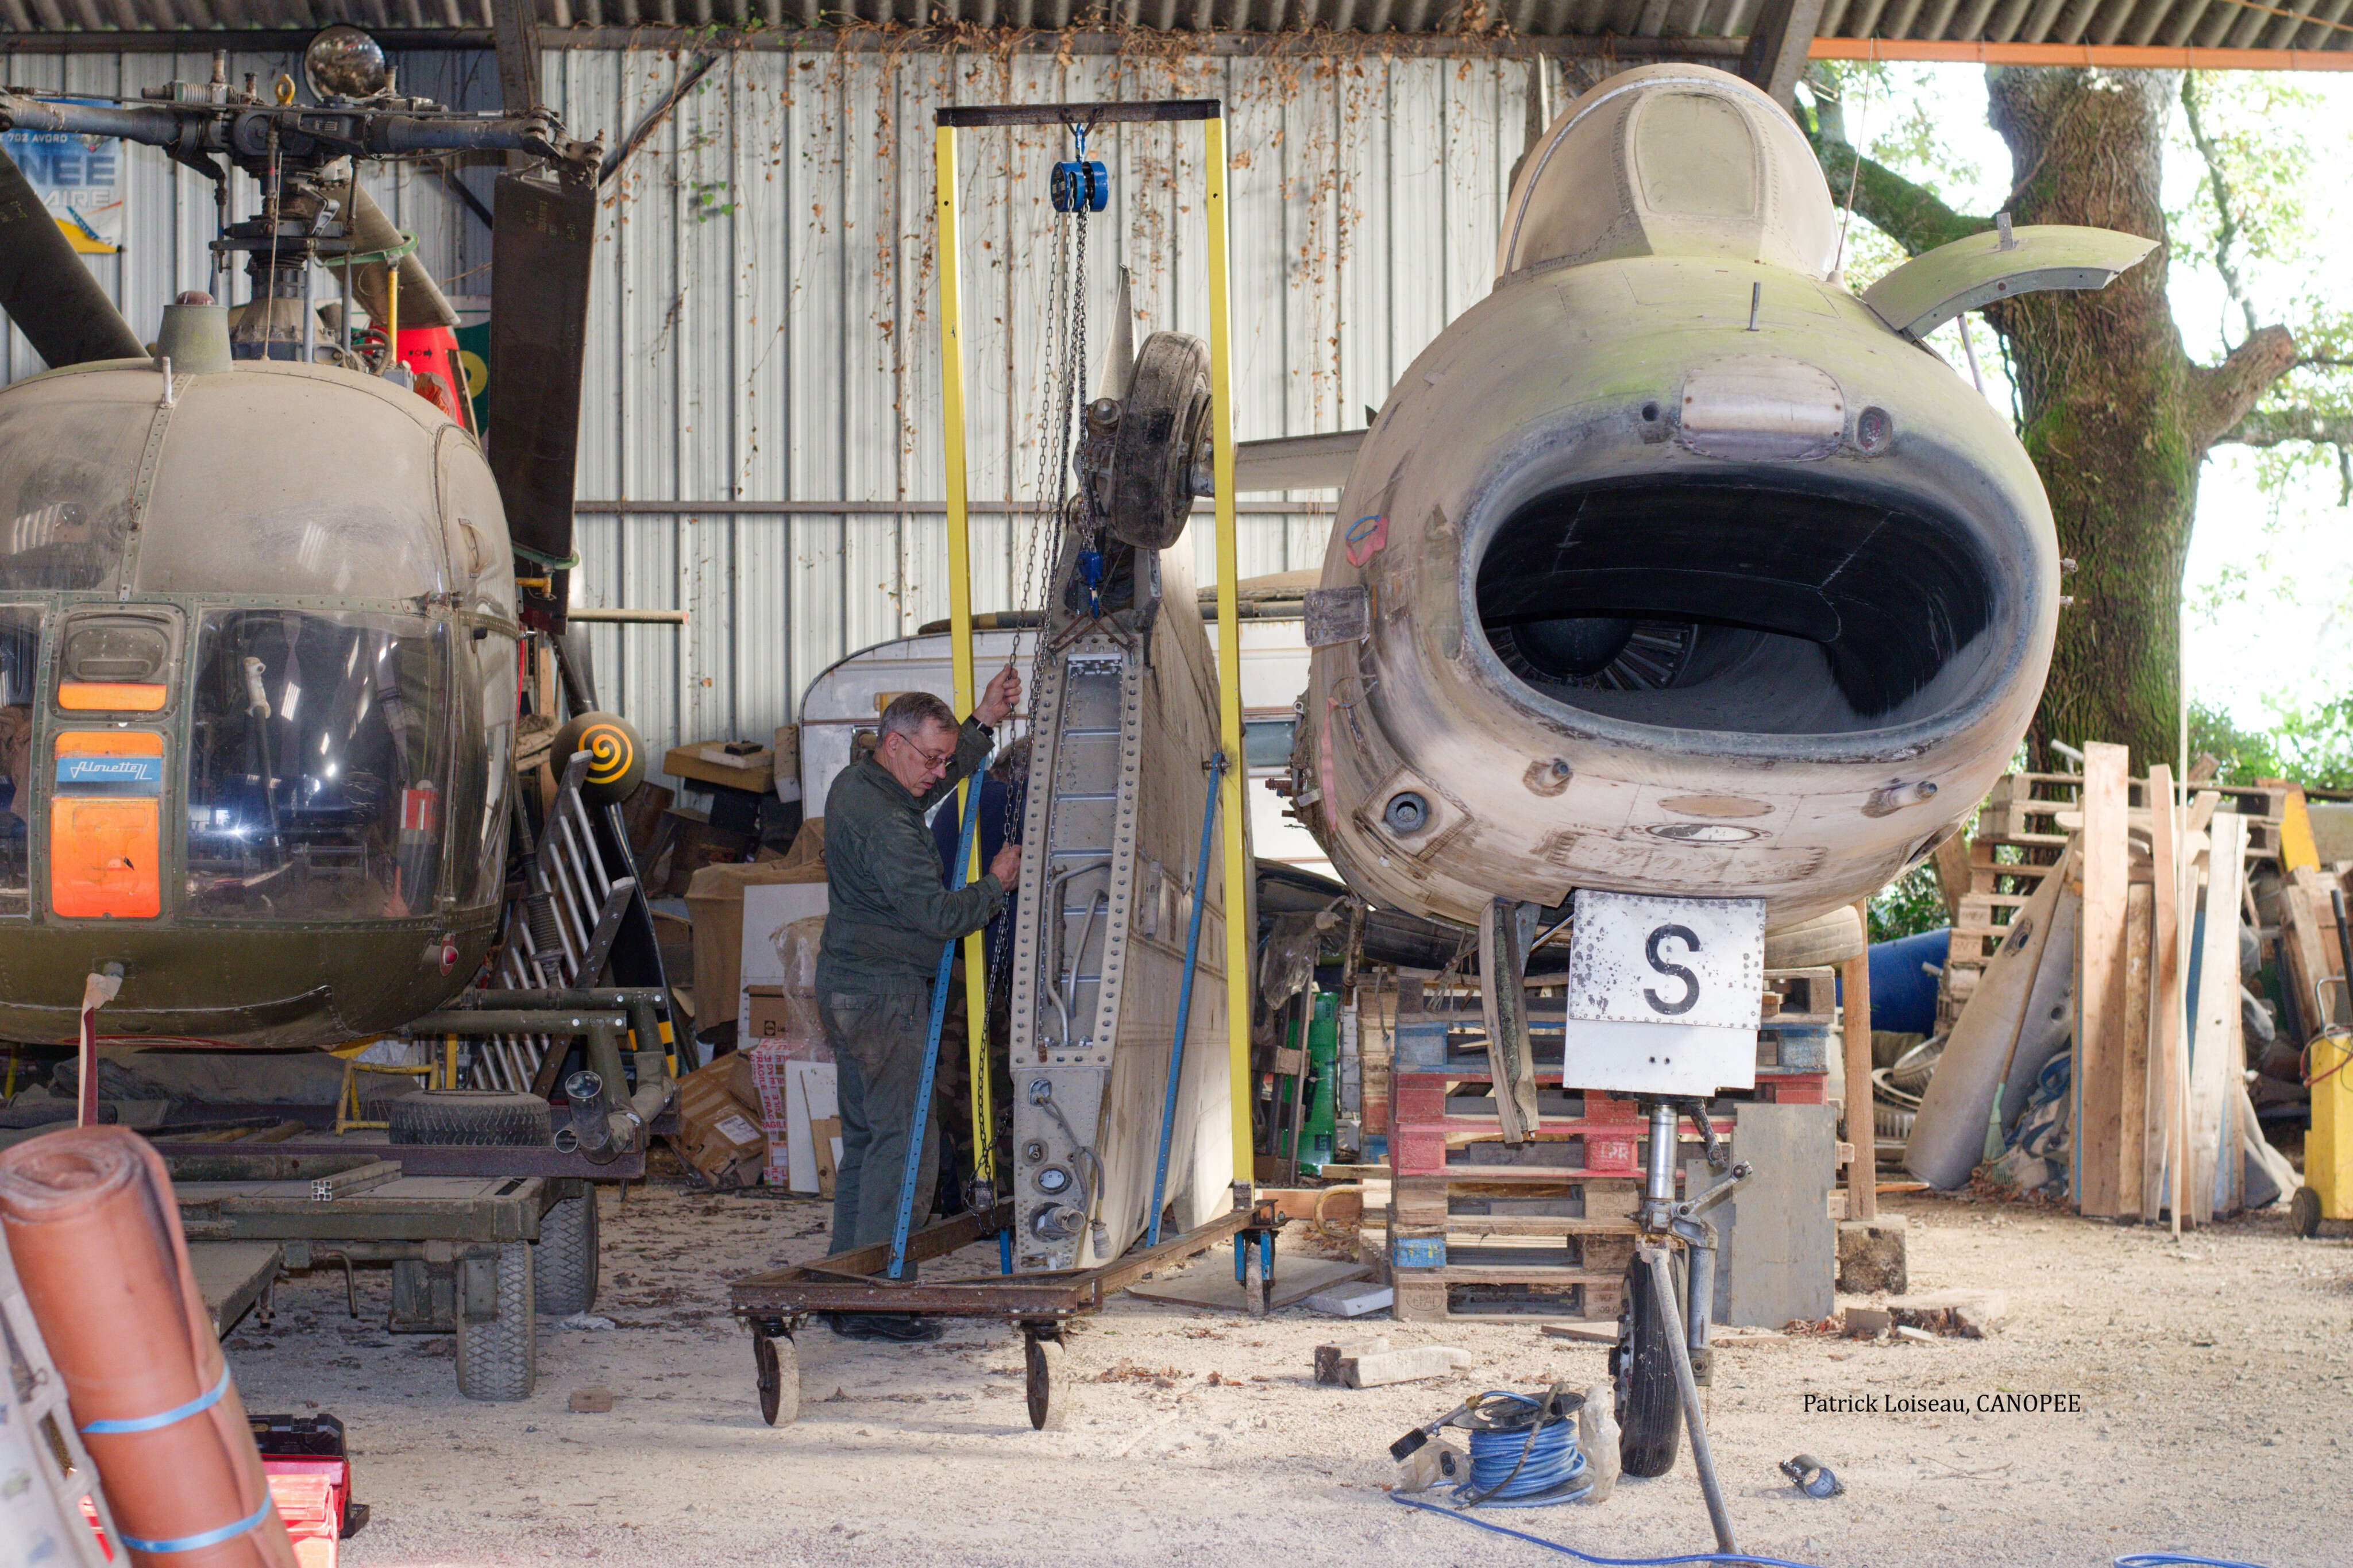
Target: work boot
905,1328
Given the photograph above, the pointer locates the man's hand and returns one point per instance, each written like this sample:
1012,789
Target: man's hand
1005,865
1003,696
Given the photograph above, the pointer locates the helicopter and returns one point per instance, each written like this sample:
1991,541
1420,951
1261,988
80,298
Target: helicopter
265,593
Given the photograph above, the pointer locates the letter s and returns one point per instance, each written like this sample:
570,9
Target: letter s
1690,982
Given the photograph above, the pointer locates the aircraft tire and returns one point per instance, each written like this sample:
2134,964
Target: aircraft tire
476,1118
1649,1402
563,1258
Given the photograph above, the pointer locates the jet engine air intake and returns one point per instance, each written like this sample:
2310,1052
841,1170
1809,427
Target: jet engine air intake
1748,603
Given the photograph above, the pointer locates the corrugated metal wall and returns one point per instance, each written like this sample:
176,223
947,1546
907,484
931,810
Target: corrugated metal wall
764,326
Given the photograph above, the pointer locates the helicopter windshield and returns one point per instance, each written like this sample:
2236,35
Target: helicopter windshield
320,767
20,646
67,468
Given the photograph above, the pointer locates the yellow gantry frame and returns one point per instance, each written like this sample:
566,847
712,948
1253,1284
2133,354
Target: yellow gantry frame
1235,782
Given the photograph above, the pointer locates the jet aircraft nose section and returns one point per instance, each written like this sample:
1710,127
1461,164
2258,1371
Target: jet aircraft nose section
1674,568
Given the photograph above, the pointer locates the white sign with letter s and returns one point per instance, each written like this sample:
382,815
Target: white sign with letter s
1637,959
1664,995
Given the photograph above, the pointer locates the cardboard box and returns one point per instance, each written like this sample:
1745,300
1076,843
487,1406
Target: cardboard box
710,763
714,902
718,1135
766,1015
825,1138
769,910
768,1059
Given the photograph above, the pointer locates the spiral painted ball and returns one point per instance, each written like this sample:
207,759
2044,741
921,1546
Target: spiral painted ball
617,758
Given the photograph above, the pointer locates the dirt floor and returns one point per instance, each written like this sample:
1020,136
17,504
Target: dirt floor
2215,1380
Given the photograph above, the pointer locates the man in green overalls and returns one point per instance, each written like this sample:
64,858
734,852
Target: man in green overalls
886,918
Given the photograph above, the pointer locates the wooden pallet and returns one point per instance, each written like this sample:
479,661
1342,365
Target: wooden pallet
2019,839
2017,844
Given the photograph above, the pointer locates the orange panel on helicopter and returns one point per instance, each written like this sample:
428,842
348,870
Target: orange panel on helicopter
111,696
105,817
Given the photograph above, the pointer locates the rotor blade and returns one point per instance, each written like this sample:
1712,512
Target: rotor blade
46,291
1296,462
422,303
541,253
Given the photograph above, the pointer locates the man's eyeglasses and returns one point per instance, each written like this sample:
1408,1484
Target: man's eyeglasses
931,759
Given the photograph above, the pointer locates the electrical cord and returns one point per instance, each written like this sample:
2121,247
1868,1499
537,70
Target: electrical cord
1508,1470
1747,1559
1739,1559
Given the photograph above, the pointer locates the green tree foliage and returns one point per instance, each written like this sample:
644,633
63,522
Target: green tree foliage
2312,745
1909,905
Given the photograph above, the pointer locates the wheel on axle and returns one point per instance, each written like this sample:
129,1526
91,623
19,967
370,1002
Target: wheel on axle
563,1258
2304,1212
498,1350
1047,1380
777,1363
1650,1405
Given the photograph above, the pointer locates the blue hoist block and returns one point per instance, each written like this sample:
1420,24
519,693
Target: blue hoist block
1081,185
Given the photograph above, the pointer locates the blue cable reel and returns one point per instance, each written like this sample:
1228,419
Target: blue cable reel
1081,184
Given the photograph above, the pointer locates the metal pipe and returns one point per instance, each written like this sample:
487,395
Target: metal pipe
475,1022
1069,997
1699,1270
1051,909
919,1127
1662,1286
1658,1173
602,998
1185,996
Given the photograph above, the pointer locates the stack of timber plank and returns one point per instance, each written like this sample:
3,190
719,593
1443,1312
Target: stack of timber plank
2024,825
2162,1115
2017,842
1482,1228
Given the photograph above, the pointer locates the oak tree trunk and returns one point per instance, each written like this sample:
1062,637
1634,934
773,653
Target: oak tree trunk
2103,389
2115,413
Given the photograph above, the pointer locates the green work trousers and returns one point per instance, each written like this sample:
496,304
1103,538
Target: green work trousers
878,1039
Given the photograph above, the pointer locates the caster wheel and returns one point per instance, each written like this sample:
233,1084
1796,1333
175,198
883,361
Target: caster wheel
779,1368
1049,1384
2304,1212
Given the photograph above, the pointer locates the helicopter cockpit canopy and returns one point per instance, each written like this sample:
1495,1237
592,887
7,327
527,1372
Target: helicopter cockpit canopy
290,480
289,586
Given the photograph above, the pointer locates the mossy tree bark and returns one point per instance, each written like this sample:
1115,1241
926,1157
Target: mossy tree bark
2115,413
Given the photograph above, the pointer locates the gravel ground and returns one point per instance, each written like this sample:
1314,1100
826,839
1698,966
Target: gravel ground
2214,1379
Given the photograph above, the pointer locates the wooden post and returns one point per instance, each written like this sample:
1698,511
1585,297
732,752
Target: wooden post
2135,1194
2164,990
2099,959
1862,1124
2215,1052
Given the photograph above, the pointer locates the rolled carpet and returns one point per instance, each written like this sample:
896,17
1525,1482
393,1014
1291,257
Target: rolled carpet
96,1243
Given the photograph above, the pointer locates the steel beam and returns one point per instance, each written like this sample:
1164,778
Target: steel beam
1779,43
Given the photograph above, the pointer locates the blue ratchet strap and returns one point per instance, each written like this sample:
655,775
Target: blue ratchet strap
920,1128
178,1413
209,1538
1184,997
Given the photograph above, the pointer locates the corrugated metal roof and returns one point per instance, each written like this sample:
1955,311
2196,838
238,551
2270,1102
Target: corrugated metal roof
1709,26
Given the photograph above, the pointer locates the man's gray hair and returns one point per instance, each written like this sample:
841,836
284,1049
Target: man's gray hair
912,713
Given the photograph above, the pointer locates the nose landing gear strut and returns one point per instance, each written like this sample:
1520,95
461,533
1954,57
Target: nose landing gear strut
1662,1357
